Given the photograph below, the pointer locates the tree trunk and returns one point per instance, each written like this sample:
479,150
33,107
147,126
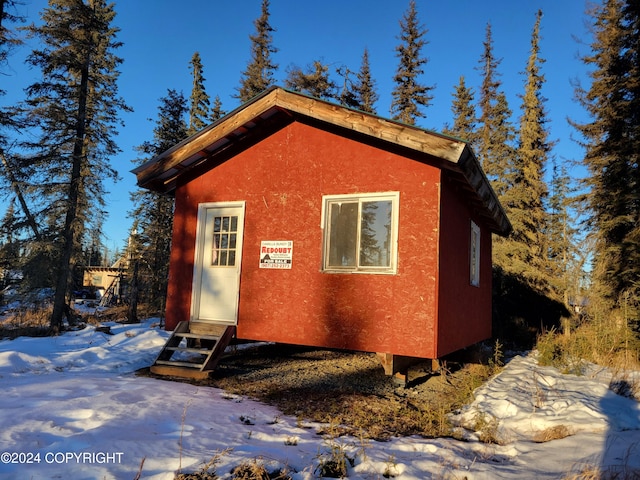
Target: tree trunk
132,312
71,227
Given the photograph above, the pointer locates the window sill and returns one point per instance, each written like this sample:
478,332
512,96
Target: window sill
359,272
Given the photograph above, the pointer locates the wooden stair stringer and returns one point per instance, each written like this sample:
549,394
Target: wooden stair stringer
207,342
218,349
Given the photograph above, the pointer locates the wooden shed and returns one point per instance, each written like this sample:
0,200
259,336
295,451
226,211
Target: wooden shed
305,222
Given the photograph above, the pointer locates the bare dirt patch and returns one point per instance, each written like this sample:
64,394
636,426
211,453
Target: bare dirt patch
348,389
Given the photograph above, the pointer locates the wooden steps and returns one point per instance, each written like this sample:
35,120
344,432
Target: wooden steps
193,350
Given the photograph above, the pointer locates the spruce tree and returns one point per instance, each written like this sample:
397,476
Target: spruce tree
496,134
365,87
409,94
75,109
347,96
153,212
9,245
612,147
315,81
260,71
525,196
199,102
464,114
564,259
488,97
9,116
216,111
8,40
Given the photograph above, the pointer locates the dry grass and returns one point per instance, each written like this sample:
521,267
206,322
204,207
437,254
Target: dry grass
34,322
488,429
595,472
30,322
611,344
256,470
557,432
622,383
208,471
119,314
334,462
349,389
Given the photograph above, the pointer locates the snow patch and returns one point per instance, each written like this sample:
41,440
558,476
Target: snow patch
77,393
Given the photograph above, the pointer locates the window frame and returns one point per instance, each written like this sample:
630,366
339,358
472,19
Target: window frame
360,198
475,245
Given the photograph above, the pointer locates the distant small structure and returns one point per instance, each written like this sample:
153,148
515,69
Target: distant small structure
109,280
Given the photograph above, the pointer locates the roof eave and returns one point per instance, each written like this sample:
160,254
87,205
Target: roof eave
469,166
161,172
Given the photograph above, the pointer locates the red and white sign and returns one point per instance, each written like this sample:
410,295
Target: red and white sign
276,253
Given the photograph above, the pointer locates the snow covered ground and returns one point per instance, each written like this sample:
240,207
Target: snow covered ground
71,407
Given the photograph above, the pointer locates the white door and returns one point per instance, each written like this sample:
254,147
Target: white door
216,279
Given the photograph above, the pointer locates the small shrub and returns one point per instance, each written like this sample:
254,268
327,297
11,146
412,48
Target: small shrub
196,476
250,471
291,441
549,351
625,386
208,471
391,467
487,428
335,463
496,362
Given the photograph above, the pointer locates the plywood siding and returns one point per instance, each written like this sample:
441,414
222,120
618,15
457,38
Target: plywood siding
464,310
282,179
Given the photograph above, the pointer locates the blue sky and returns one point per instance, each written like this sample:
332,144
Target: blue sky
160,36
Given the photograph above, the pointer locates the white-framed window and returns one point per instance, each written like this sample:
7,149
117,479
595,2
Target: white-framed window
360,232
474,255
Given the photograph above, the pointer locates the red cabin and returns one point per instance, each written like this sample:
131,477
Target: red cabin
305,222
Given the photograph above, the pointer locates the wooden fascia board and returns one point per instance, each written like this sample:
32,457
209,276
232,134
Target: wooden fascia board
404,135
469,167
400,134
172,157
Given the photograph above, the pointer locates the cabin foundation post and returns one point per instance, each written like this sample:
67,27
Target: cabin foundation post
396,366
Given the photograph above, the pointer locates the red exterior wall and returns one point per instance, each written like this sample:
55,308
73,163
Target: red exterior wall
282,179
464,309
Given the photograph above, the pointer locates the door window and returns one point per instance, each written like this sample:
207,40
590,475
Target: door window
225,239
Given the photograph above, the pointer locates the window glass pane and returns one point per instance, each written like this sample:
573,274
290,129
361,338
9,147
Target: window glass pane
343,230
361,232
474,255
214,253
225,241
375,234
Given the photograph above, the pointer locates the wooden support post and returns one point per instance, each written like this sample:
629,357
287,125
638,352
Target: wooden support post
396,366
386,359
